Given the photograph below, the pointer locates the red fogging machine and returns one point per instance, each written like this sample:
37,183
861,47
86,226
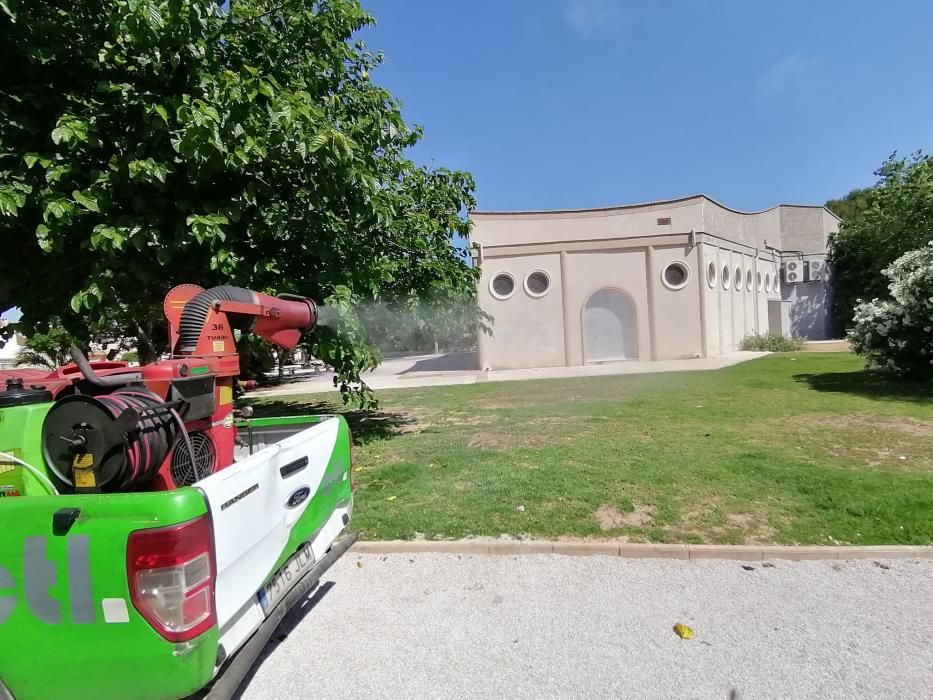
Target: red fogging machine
169,423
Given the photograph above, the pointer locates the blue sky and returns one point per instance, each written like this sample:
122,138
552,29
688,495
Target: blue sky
578,103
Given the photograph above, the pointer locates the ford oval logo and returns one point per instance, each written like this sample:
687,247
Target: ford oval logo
297,498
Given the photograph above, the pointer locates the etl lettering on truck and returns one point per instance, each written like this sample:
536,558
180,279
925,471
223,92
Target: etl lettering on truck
40,575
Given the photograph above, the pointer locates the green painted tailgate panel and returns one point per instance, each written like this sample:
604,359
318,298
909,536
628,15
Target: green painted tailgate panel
49,618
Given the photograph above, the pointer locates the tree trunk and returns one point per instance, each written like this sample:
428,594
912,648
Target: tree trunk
144,347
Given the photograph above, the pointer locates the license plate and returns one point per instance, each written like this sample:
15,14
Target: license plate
273,592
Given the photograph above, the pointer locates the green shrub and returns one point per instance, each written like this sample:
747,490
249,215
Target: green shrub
771,342
896,334
130,356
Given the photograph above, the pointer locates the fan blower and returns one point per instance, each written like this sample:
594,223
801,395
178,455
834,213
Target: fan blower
170,423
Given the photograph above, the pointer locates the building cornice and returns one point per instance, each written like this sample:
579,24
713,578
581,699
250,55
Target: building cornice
647,206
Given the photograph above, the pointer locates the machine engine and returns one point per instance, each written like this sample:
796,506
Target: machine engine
169,423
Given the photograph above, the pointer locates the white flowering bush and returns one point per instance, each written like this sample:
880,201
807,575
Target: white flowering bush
896,334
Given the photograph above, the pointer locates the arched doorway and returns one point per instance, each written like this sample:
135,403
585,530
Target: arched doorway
609,327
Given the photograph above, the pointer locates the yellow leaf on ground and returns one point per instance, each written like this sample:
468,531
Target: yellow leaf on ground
682,631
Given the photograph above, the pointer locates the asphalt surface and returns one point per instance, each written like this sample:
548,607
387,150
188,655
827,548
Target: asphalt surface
445,626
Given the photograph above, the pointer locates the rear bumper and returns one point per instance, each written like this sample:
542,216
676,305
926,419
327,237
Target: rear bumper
251,617
230,677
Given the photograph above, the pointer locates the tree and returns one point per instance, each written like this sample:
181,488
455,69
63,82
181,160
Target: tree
147,143
896,334
895,216
50,349
853,204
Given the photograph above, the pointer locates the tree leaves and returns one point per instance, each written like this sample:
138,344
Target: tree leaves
207,226
161,112
57,208
13,196
87,201
105,236
147,170
884,222
318,141
70,130
896,334
7,10
157,142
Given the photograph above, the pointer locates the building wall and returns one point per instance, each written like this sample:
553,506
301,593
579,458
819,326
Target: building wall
627,249
676,311
527,331
809,310
806,229
738,227
734,313
536,228
587,273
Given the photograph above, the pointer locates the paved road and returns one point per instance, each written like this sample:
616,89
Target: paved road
443,626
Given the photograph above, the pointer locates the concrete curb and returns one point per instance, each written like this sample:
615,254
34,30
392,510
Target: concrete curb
644,551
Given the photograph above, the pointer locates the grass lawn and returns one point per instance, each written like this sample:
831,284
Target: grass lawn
801,448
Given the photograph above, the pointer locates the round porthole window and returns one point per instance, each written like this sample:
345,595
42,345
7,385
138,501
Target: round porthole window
675,275
760,286
776,282
711,276
725,277
768,282
502,285
537,283
748,280
738,279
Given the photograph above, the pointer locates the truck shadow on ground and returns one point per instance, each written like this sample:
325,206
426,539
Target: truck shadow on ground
871,384
294,618
366,425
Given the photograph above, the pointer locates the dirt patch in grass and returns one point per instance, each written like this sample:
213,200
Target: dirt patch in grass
465,418
903,424
611,518
499,442
742,520
857,440
716,522
535,432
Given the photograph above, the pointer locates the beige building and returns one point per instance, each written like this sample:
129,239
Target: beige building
675,279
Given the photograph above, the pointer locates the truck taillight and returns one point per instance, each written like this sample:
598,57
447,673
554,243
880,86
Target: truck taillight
171,574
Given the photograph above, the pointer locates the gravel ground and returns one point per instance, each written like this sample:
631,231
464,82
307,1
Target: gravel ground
443,625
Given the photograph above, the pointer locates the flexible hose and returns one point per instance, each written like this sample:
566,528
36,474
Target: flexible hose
110,380
184,436
153,437
40,477
196,310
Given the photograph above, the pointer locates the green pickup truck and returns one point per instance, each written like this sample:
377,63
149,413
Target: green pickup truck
148,589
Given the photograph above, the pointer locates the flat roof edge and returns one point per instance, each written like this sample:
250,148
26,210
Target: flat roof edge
622,207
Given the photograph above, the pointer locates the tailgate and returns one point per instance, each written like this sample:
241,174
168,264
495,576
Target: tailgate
264,506
68,627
